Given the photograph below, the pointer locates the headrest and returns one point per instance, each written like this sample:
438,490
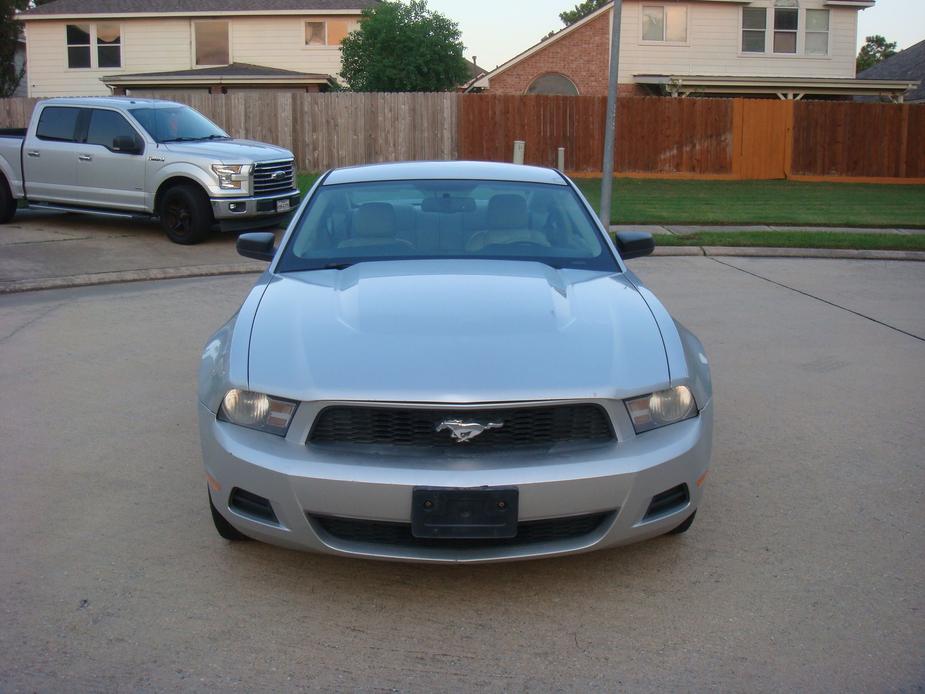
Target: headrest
374,220
507,212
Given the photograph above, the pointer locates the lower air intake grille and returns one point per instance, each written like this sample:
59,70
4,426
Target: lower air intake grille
399,534
250,504
673,499
520,426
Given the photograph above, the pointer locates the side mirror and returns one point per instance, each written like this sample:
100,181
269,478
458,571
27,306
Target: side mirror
257,245
635,244
127,144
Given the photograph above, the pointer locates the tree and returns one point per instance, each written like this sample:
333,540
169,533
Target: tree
404,48
9,33
875,49
581,10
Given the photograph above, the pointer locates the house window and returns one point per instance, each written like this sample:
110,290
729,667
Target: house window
754,27
212,43
554,84
786,25
108,45
105,36
316,34
664,23
78,45
817,32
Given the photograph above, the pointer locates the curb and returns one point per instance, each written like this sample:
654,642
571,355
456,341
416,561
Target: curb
756,252
127,276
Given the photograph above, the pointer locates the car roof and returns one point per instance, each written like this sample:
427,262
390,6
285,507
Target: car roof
445,170
117,101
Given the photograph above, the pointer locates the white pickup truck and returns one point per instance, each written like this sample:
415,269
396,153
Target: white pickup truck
128,157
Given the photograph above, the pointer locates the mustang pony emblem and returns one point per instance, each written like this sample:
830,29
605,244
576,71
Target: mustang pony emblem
463,431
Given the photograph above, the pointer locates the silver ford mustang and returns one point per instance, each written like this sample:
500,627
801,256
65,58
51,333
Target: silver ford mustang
450,362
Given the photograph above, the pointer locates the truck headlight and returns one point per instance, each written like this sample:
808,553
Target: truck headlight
231,176
257,411
661,408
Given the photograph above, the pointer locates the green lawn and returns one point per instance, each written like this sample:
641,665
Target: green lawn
650,201
797,239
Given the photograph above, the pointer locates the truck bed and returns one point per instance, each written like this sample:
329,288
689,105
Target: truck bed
13,132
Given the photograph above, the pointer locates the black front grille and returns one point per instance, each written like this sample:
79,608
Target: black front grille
521,426
273,177
399,534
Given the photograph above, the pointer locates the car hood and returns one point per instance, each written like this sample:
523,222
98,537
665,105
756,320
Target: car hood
454,331
230,151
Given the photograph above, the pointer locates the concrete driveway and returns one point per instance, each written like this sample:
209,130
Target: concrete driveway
804,570
39,246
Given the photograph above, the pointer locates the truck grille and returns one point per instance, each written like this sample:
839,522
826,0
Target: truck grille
273,177
522,426
399,534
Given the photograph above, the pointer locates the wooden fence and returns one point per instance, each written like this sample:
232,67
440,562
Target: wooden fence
690,138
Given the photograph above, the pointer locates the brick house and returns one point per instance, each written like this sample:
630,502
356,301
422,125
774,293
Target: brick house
776,48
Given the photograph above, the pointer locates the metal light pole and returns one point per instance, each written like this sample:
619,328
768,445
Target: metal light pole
610,126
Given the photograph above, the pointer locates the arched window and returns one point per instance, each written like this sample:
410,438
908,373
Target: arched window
554,84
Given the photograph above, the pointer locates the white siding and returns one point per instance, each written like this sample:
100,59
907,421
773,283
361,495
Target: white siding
158,45
714,44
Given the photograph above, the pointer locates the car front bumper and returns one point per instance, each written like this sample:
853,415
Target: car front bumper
304,483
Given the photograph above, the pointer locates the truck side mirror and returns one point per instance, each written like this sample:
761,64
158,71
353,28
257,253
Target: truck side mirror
126,144
257,245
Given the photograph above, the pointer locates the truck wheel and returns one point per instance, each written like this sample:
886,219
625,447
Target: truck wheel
7,202
186,215
223,527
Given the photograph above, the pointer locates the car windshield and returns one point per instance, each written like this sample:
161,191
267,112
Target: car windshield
398,220
177,124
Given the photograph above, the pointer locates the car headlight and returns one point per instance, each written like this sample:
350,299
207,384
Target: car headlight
257,411
231,176
662,408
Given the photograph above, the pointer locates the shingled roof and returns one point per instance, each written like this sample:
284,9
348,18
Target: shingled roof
124,7
905,65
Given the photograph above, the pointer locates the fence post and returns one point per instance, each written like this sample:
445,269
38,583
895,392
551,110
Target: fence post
788,138
560,161
519,148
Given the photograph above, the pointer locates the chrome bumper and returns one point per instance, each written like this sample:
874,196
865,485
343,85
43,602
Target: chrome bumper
233,208
301,482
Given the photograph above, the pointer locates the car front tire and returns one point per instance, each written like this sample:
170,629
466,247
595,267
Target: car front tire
186,215
223,527
685,526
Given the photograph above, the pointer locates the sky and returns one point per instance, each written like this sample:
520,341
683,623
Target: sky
496,30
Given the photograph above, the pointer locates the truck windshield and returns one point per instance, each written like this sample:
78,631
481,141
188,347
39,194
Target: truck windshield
435,219
177,124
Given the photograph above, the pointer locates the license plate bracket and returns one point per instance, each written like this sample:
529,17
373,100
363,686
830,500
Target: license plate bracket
464,514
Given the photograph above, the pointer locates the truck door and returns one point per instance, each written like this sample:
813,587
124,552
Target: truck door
50,156
110,169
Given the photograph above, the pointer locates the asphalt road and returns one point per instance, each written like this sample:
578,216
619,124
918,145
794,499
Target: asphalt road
804,570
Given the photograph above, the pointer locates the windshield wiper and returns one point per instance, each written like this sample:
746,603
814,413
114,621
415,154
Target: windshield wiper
337,266
197,139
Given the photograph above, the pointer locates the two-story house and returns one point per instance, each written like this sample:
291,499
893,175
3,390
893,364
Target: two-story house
784,48
98,47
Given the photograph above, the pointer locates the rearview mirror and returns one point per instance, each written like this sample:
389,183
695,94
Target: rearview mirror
257,245
126,144
448,205
635,244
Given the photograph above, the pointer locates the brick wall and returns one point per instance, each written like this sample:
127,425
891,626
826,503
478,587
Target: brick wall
583,56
